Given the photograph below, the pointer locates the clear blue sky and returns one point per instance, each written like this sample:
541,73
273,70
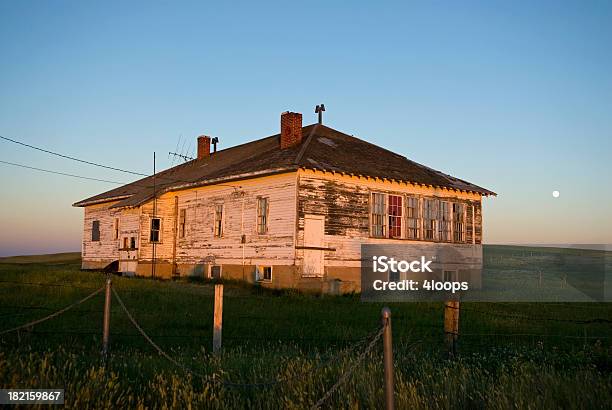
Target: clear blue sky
514,96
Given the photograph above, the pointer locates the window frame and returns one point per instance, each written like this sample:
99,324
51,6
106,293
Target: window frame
159,230
383,216
263,217
116,229
396,218
419,218
455,224
95,231
182,223
432,213
260,273
210,271
445,235
450,275
218,233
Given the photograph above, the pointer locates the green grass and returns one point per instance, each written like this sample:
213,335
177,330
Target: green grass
505,359
65,257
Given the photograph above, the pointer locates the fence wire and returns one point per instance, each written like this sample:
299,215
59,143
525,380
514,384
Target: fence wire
344,377
152,343
52,315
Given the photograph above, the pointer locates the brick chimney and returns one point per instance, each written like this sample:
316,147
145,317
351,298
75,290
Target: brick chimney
291,129
203,147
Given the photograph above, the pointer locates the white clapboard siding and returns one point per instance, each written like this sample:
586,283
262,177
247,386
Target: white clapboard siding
240,209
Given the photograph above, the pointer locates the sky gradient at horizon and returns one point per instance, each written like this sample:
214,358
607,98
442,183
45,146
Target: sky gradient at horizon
514,97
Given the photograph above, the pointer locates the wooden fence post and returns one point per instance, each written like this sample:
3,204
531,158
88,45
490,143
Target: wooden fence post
451,326
106,323
218,317
388,358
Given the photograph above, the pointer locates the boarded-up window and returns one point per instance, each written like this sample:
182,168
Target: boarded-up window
429,219
95,231
444,221
395,216
182,218
378,215
155,229
412,217
116,229
458,222
262,215
218,220
126,242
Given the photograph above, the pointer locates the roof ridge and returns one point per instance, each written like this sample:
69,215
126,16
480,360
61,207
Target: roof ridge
300,154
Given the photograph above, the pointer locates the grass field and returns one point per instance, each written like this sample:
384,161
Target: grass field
510,355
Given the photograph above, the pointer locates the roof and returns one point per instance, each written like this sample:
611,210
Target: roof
323,148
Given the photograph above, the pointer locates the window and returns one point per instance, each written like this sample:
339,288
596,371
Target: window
412,214
264,273
125,242
395,216
95,231
218,220
429,219
116,229
378,215
444,221
450,276
155,229
459,222
182,214
215,272
133,242
262,215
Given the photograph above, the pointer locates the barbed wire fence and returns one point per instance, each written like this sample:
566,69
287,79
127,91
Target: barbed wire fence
370,340
356,353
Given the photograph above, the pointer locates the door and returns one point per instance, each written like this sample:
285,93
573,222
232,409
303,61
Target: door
314,243
128,256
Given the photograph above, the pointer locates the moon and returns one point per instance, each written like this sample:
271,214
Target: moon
555,194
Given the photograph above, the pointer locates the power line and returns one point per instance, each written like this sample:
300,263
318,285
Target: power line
170,180
61,173
72,158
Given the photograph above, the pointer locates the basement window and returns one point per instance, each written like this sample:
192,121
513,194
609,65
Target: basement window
458,222
182,215
155,229
429,219
95,231
444,221
215,272
218,221
395,216
264,273
378,215
412,217
262,215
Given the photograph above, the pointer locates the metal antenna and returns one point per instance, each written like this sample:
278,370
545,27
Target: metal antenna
215,141
184,157
319,110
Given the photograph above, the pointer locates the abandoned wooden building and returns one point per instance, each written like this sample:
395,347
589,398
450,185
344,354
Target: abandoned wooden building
288,211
